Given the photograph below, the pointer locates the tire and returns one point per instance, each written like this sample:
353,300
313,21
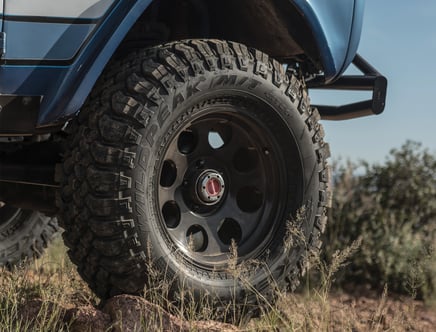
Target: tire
24,235
185,154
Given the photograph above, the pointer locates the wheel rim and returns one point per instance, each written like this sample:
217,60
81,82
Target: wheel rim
221,181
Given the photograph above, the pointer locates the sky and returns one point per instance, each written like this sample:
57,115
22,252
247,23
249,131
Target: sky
399,40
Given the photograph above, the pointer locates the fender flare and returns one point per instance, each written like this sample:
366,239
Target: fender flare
84,72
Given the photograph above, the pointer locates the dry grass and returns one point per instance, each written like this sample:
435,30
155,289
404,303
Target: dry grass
49,280
54,286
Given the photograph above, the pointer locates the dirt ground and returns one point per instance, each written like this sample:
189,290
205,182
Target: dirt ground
377,313
341,312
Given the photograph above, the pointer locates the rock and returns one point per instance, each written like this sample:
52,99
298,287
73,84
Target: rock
37,312
87,318
132,313
30,310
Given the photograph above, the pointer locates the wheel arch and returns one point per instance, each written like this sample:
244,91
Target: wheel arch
323,36
276,27
294,32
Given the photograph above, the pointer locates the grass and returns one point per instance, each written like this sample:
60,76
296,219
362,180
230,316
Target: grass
43,284
35,297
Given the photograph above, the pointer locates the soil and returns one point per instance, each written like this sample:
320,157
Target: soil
370,312
340,312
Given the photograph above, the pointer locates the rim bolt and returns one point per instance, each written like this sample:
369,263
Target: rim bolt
200,164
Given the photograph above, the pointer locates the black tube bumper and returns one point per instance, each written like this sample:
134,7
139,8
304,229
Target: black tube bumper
371,80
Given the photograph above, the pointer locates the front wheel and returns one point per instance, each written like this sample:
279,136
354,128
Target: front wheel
203,161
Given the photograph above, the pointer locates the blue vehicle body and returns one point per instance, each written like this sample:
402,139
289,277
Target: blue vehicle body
168,134
57,57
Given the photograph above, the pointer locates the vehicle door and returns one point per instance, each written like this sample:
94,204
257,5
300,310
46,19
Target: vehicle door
49,32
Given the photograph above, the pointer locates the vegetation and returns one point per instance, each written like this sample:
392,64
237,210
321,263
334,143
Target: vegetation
29,293
391,208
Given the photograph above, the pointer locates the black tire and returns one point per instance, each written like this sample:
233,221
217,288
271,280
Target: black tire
24,235
140,148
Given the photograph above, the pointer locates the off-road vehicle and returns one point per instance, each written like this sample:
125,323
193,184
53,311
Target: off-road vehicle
174,136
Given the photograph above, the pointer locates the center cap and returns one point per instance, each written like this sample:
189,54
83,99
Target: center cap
210,187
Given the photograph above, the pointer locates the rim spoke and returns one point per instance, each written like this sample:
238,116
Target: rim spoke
203,148
165,195
240,180
235,217
214,246
179,159
187,220
236,142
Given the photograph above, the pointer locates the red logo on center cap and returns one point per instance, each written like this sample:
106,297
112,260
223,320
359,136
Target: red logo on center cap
213,187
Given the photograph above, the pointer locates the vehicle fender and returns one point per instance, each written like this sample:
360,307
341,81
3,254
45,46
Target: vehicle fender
85,71
336,26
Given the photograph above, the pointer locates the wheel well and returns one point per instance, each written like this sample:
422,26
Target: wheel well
273,26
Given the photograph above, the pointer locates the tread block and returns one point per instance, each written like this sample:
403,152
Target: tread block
191,57
108,207
175,63
108,155
242,55
106,181
115,131
324,152
224,53
110,228
206,52
128,106
110,246
294,89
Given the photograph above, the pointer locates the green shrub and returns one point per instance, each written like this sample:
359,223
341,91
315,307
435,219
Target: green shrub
392,208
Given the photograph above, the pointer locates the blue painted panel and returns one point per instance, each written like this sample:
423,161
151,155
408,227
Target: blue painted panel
65,88
356,32
44,41
88,9
70,95
30,80
334,24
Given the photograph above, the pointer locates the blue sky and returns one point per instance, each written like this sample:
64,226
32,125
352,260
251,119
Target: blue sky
399,39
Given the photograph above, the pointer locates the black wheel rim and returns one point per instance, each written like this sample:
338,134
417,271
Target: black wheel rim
222,181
